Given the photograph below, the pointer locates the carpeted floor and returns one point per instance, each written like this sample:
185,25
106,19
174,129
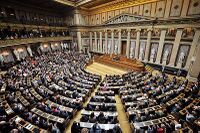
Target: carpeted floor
102,70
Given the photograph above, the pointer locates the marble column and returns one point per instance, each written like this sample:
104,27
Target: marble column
106,41
128,43
79,41
95,41
91,47
137,43
112,41
161,45
100,41
29,51
192,48
175,47
119,41
194,70
148,45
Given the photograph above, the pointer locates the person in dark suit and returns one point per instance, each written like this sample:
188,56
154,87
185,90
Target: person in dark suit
75,127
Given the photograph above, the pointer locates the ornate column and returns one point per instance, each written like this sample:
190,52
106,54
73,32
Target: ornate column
112,41
137,43
95,41
128,43
79,41
147,50
192,48
106,41
91,48
175,47
160,46
119,41
100,41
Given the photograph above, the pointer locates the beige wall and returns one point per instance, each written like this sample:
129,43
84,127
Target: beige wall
163,9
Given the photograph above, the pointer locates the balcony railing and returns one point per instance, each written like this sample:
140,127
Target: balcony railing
14,42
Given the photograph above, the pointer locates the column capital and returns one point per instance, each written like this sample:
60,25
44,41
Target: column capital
112,30
128,30
149,29
137,30
119,30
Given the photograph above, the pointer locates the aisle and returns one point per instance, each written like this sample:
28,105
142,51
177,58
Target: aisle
102,70
78,115
123,120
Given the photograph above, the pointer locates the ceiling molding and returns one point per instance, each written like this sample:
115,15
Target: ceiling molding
119,4
66,2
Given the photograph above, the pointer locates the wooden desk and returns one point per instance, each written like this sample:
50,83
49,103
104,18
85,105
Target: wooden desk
122,63
8,109
175,100
154,108
46,90
35,94
99,103
27,125
22,99
3,88
152,122
48,116
194,103
61,107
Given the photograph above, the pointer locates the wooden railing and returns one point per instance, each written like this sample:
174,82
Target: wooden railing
122,63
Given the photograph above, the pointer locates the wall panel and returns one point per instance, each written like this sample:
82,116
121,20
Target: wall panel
194,7
176,8
147,9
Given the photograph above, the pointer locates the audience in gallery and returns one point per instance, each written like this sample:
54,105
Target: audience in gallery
9,33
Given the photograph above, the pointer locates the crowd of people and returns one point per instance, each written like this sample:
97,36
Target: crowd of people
58,77
148,97
57,85
8,33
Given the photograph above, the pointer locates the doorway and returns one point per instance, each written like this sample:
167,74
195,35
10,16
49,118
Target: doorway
123,49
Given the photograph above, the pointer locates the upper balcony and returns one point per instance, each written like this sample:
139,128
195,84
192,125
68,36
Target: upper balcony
14,42
16,35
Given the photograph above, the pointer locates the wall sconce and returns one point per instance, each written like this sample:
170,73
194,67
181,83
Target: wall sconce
5,53
20,50
45,45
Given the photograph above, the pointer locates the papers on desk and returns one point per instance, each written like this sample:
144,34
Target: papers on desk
47,116
29,126
103,126
96,113
18,119
63,108
99,103
152,122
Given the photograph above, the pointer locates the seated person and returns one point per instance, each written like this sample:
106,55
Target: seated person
84,118
114,120
101,118
92,118
95,128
